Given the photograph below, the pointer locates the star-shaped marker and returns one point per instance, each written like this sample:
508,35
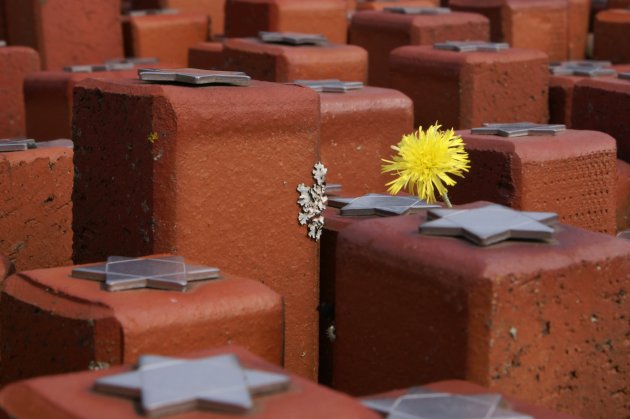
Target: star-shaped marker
16,144
331,85
418,10
153,12
171,385
133,60
472,46
95,68
519,129
625,76
293,38
420,403
490,224
168,273
584,68
377,204
3,44
194,76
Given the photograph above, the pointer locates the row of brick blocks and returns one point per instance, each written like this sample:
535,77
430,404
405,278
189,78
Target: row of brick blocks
52,28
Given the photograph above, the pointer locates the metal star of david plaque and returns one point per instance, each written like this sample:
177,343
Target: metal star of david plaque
331,85
194,76
377,204
95,68
421,403
152,12
134,61
292,38
3,44
313,201
65,143
519,129
16,144
418,10
169,386
584,68
167,273
472,46
490,224
625,76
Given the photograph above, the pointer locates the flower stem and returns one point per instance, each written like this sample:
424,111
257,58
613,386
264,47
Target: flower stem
446,200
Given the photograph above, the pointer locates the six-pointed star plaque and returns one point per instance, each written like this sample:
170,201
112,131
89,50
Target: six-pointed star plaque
330,86
172,385
472,46
194,76
585,68
418,10
17,144
421,403
293,38
377,204
490,224
519,129
624,76
168,273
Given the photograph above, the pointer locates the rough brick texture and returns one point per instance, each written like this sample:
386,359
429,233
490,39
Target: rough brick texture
611,33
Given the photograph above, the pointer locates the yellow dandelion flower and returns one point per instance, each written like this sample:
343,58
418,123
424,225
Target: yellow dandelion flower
426,161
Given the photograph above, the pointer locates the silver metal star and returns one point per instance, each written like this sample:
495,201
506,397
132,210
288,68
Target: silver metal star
16,144
625,76
3,44
472,46
171,385
330,85
490,224
95,68
313,202
421,403
377,204
418,10
133,60
168,273
519,129
194,76
152,12
584,68
292,38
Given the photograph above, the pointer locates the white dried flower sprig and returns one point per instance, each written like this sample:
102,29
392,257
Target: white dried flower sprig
313,202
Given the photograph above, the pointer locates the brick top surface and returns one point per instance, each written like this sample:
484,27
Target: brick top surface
428,54
257,46
380,18
367,99
614,16
72,395
611,84
27,156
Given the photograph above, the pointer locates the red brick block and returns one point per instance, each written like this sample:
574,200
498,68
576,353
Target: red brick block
512,21
53,323
380,5
467,89
578,22
623,195
71,395
214,9
558,173
66,32
381,32
15,64
603,105
36,207
465,388
206,55
523,318
358,129
611,34
222,191
48,100
248,17
284,63
164,36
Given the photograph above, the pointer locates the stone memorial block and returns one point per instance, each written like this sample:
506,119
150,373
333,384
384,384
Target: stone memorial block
222,383
611,33
285,57
248,17
35,204
602,104
546,168
358,126
206,55
15,64
66,32
381,32
455,399
512,21
470,83
523,317
208,171
214,9
166,36
48,97
74,318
